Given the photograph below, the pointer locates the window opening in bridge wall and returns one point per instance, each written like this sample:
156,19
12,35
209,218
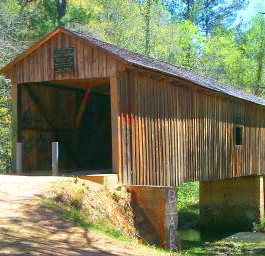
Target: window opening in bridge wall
239,135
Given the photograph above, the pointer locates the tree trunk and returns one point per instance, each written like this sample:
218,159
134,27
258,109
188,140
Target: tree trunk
61,10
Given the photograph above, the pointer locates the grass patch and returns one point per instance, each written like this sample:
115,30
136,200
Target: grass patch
77,217
188,204
97,209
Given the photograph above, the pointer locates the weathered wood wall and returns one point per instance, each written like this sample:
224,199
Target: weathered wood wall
46,114
164,133
172,133
90,62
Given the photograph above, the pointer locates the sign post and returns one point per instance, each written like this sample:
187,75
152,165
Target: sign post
55,158
19,158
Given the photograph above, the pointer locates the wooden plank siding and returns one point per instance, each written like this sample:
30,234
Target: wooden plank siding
90,62
171,134
39,124
164,131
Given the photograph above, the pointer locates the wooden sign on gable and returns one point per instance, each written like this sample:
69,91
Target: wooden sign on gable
64,60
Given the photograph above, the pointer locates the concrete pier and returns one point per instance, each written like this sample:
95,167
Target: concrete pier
231,203
155,214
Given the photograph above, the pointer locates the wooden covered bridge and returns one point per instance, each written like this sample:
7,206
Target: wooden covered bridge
149,122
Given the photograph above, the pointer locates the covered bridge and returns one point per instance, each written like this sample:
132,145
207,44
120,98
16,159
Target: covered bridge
116,111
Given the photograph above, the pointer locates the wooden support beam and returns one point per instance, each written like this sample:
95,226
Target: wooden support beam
115,128
59,86
82,107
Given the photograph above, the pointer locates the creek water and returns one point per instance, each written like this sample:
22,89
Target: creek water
196,235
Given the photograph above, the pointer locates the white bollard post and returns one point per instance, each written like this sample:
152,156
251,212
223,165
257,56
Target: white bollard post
55,158
19,158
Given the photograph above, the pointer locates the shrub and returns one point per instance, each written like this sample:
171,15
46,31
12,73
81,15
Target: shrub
259,226
188,195
101,207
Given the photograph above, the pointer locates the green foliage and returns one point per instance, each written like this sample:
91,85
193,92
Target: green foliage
259,226
5,125
188,195
188,204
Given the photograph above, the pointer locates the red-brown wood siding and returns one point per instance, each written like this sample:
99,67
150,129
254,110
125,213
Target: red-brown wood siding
172,133
90,62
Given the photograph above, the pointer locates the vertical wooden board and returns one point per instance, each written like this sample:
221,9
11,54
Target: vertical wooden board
52,46
80,58
18,72
128,128
156,133
152,146
94,62
64,45
166,141
161,134
26,76
146,97
143,122
180,133
57,44
87,61
24,70
176,138
229,158
225,139
115,112
189,134
100,62
133,128
45,64
172,137
140,145
32,71
39,64
104,65
120,124
168,134
72,44
123,124
136,127
196,132
113,66
185,141
152,111
49,64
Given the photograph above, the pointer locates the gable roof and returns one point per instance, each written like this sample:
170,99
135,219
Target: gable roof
151,64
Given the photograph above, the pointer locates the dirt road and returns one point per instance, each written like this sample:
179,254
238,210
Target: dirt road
26,228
